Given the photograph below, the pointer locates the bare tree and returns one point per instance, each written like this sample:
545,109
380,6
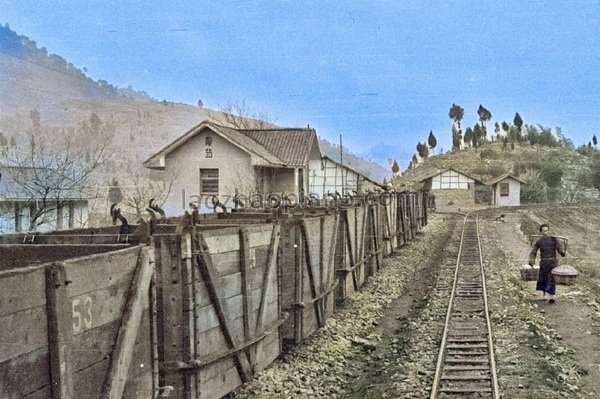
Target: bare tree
48,176
241,116
136,195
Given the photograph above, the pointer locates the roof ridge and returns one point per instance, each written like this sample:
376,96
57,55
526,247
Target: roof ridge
242,131
253,139
276,129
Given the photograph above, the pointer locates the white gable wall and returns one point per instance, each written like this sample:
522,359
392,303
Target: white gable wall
451,179
327,176
234,165
514,193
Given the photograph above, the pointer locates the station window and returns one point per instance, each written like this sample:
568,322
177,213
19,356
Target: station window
209,182
503,189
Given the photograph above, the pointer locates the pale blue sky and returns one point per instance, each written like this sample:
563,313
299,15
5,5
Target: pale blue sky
377,72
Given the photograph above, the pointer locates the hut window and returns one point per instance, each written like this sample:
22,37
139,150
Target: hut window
503,189
209,182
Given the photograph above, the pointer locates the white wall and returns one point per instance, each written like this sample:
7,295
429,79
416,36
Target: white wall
451,180
8,222
235,171
328,176
514,193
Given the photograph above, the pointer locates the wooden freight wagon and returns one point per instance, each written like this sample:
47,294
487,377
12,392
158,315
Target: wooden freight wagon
307,269
78,328
218,306
388,222
367,234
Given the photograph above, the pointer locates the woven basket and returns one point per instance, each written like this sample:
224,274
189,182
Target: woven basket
529,273
564,274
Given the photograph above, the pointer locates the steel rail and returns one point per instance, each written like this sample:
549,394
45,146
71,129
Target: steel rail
466,365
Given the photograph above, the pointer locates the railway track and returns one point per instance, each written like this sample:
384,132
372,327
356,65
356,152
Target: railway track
465,366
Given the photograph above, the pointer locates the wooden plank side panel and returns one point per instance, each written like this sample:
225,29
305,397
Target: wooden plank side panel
188,297
330,238
90,380
139,379
43,393
313,235
227,262
92,346
366,244
286,263
216,292
59,331
16,255
23,332
207,318
340,261
404,218
220,385
330,235
269,309
353,281
136,306
379,211
359,238
312,313
24,374
309,321
298,280
386,230
22,289
270,350
98,308
242,312
100,271
222,243
214,342
352,232
170,310
393,210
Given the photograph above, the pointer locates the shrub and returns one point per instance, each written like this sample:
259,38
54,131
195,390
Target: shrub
534,191
489,153
551,173
483,195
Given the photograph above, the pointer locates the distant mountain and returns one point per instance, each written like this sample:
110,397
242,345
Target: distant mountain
33,78
44,91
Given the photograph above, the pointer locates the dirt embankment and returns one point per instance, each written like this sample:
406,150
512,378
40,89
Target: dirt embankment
544,350
383,342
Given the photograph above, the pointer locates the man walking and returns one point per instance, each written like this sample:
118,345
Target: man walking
548,247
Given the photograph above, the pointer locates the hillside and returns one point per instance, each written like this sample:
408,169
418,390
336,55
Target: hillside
561,168
45,93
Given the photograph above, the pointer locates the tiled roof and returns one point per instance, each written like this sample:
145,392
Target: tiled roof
292,146
247,143
278,147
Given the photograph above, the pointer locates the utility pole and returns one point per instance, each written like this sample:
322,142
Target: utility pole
342,162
